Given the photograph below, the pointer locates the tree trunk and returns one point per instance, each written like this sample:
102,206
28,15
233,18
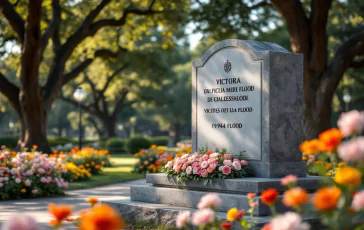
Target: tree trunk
177,133
110,125
34,119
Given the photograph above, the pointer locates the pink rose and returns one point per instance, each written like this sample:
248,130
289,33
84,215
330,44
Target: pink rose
65,185
351,122
197,170
21,222
35,191
213,165
211,160
237,165
210,200
184,166
17,180
236,159
1,185
358,201
169,164
41,171
183,219
227,162
27,182
289,221
214,155
226,170
205,157
227,156
204,164
289,179
189,170
243,162
195,165
220,168
352,150
204,173
202,217
1,179
43,180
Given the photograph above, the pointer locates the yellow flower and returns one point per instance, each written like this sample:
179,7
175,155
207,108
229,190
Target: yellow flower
304,158
328,165
93,163
23,190
230,215
348,176
342,164
153,146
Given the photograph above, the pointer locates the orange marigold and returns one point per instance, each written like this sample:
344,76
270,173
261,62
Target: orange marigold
209,152
311,147
348,176
326,198
61,212
92,200
295,197
331,139
269,196
101,217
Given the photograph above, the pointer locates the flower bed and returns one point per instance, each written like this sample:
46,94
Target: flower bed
89,159
152,160
207,166
30,174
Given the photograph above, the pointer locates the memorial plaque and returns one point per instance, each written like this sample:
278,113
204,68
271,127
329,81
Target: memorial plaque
228,108
248,96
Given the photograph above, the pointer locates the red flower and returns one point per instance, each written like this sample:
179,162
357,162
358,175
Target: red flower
226,225
6,175
269,196
267,227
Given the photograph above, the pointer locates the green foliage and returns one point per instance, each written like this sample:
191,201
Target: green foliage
159,141
9,141
54,141
115,144
136,143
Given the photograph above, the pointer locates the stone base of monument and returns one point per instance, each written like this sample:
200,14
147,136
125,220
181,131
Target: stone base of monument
161,201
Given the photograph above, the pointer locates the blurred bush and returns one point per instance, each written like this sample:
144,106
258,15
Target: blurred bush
115,145
54,140
159,141
9,141
136,143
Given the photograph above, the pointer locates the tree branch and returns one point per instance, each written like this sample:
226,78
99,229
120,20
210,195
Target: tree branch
75,103
341,62
15,20
260,4
318,21
10,91
120,103
54,25
357,64
110,78
83,65
95,93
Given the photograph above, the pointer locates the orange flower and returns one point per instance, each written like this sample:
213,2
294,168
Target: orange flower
60,213
35,146
226,226
169,158
92,200
311,147
101,217
54,222
326,198
209,152
295,197
331,139
267,227
269,196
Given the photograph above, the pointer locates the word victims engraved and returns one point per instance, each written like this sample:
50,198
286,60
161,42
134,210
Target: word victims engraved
228,103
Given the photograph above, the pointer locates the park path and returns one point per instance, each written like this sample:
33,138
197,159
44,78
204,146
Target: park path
38,208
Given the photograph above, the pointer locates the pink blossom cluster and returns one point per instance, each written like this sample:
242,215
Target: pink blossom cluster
205,215
351,123
288,221
358,201
30,170
206,164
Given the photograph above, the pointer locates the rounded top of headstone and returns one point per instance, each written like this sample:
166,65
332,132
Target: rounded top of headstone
256,50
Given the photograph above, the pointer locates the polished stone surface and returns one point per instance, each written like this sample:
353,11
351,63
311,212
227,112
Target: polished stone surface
280,125
238,185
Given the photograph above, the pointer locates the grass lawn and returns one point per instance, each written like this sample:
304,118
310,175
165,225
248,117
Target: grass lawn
120,172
